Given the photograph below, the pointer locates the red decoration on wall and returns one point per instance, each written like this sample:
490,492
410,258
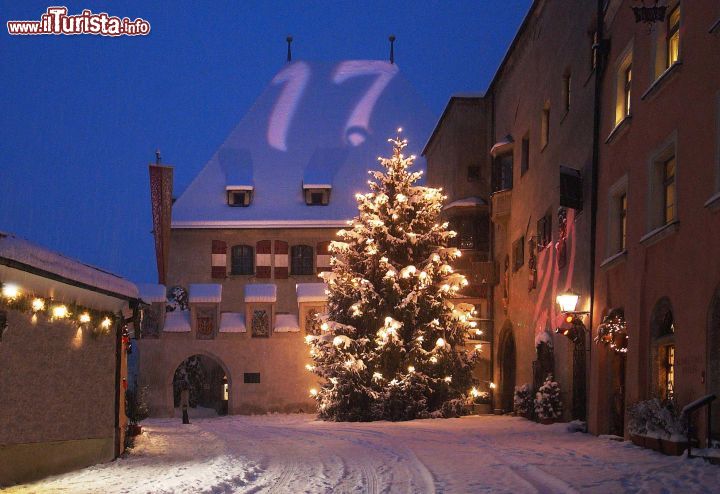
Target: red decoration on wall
263,250
281,260
560,245
161,186
218,260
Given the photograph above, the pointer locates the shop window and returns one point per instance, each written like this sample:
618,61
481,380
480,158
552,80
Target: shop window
663,349
242,260
301,260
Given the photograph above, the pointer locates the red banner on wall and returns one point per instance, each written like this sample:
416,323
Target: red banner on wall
161,185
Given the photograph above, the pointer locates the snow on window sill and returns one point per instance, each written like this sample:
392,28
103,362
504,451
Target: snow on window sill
662,78
713,204
620,127
660,233
614,259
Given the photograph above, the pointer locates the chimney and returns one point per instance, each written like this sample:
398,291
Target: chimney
392,48
161,188
289,40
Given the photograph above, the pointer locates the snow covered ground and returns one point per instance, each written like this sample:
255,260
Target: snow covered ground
296,453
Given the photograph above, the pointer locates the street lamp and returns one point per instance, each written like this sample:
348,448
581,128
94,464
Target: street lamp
567,301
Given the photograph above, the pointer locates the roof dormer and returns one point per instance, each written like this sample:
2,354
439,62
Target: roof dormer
239,195
317,194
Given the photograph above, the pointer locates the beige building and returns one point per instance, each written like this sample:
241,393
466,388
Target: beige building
250,234
63,362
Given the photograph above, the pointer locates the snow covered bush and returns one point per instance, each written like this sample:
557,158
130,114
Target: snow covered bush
177,299
136,404
523,400
548,405
658,419
391,344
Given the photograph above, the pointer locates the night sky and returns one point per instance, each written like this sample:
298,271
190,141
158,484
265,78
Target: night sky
81,116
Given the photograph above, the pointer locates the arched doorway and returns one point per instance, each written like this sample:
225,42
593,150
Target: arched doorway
713,360
208,382
662,345
579,398
507,362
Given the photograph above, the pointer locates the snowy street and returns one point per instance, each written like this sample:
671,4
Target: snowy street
296,453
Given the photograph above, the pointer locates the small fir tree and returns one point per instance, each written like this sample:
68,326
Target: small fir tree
523,400
391,343
548,405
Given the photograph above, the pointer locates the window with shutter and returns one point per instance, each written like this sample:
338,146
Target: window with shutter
323,257
242,260
281,260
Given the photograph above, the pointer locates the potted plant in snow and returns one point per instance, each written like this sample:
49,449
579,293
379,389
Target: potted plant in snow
523,401
548,406
136,408
658,425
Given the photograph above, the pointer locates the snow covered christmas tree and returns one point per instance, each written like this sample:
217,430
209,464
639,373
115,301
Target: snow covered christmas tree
391,344
548,405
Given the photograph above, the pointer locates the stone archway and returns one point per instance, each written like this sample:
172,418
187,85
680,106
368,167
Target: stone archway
208,380
507,362
713,359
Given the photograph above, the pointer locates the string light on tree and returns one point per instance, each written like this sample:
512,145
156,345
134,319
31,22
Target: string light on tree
394,345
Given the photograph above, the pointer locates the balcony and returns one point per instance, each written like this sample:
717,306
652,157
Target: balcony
500,205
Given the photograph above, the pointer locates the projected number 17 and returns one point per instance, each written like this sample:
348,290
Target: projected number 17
295,79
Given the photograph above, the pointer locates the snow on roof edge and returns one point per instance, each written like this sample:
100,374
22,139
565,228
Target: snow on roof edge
205,292
260,292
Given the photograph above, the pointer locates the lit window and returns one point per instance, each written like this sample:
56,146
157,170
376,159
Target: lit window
545,127
669,190
243,258
627,86
673,36
301,260
669,371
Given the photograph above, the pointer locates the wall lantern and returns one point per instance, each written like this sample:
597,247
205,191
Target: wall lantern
567,301
573,327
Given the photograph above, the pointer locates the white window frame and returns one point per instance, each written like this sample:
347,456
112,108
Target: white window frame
624,61
615,193
655,219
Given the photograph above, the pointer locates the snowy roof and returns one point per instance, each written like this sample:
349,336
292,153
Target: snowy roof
177,321
467,202
28,255
311,292
286,323
503,145
315,124
260,292
232,322
205,292
152,292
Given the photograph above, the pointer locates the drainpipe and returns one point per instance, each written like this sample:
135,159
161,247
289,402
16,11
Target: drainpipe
600,52
118,381
491,302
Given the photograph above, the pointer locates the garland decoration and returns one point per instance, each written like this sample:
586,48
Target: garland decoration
613,331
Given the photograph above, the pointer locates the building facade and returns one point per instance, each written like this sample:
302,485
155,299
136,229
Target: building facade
64,362
658,216
249,236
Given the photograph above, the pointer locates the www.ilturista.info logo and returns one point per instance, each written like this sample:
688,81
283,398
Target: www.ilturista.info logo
57,21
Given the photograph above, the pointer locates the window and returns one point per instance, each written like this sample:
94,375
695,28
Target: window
566,92
317,196
473,173
544,231
518,253
242,260
545,126
663,349
239,198
503,172
525,155
623,221
302,260
662,193
251,378
673,36
669,190
669,358
571,188
627,86
472,232
617,217
623,86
